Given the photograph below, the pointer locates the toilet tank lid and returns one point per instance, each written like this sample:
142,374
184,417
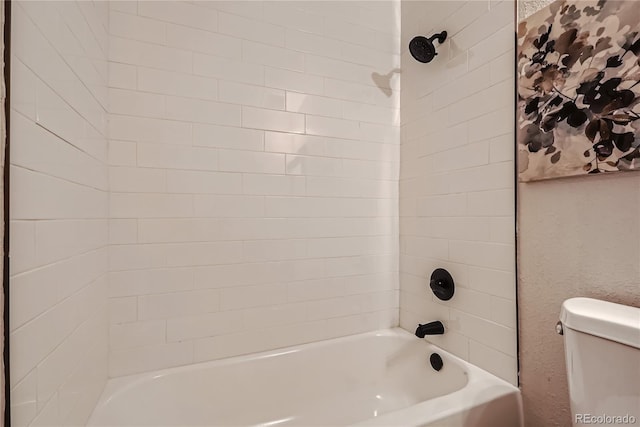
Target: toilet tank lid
615,322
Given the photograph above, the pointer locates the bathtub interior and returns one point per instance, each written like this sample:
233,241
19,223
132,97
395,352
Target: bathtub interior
338,382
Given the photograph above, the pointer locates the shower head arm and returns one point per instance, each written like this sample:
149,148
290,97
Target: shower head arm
440,37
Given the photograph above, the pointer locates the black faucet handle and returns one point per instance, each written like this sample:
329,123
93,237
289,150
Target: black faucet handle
441,283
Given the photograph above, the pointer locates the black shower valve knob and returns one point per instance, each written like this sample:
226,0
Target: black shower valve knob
441,284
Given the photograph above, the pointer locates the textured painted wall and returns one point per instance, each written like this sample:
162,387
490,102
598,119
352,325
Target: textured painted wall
528,7
577,237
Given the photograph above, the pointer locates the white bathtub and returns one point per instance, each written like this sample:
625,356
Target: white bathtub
381,378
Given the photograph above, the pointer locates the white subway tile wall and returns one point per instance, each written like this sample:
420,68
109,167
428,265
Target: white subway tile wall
59,210
456,183
254,169
197,180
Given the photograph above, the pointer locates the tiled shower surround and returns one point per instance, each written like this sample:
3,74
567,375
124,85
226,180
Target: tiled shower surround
253,177
456,180
197,180
59,211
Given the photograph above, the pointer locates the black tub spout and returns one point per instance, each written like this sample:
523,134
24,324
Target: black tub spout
432,328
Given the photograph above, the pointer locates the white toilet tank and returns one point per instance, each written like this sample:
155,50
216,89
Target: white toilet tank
602,353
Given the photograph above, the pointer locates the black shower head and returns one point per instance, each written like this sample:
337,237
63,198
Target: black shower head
422,48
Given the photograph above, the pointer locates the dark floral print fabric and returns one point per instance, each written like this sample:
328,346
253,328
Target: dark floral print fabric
579,89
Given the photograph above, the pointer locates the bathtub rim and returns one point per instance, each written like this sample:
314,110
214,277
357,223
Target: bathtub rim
120,383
